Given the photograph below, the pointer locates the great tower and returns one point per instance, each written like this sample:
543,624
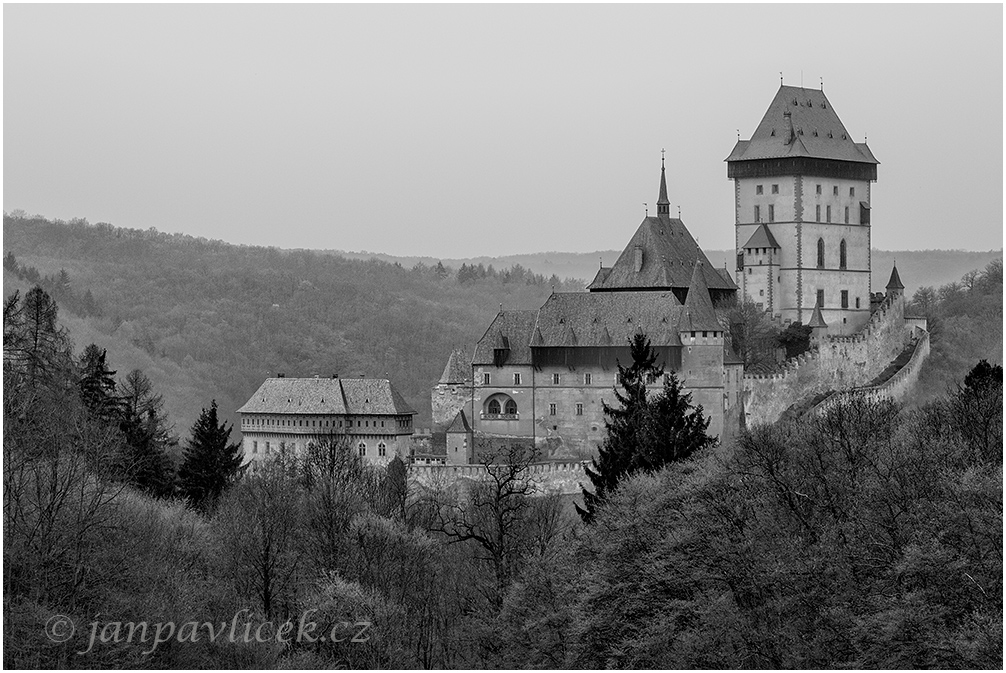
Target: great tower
802,190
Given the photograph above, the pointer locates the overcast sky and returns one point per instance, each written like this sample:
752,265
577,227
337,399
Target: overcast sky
481,130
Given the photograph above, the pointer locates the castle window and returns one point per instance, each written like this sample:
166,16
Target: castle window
819,189
817,213
771,213
254,447
775,189
494,408
757,214
586,379
486,379
847,214
516,378
834,190
579,409
362,448
382,449
551,410
758,189
857,302
267,447
761,293
510,408
820,251
845,299
820,298
828,210
852,191
841,254
555,379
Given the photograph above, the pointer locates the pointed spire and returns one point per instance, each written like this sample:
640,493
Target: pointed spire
895,282
663,203
816,319
698,306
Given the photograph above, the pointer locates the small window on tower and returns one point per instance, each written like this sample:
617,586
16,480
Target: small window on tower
757,214
834,190
775,189
857,302
586,379
516,378
817,214
820,298
579,409
845,299
551,410
852,191
758,189
555,379
828,213
819,189
771,213
847,214
486,379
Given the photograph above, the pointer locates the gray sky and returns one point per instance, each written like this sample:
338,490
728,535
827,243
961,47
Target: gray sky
468,130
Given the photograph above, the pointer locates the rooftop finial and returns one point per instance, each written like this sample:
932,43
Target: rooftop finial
661,159
679,212
780,78
822,84
738,135
663,203
646,208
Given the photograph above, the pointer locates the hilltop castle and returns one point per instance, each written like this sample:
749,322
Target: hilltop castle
802,190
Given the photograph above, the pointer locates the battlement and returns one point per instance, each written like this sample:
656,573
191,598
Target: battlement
550,477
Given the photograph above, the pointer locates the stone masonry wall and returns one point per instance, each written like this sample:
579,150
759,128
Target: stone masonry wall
840,363
563,478
447,400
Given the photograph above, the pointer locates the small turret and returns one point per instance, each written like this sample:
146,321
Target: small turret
818,327
895,288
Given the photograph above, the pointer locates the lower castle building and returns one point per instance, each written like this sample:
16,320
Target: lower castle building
285,415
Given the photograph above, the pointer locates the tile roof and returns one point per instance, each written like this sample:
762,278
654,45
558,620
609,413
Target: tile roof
460,424
669,254
699,313
812,129
608,318
816,319
458,369
895,282
761,238
509,329
326,396
730,356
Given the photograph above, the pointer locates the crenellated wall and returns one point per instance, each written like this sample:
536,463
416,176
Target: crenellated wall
563,478
839,363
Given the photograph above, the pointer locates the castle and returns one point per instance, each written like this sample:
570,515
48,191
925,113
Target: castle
802,190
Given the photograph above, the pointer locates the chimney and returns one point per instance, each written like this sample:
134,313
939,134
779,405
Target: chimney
638,258
787,118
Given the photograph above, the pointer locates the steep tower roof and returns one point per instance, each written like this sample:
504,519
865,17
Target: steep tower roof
761,238
816,319
895,282
699,313
458,369
801,123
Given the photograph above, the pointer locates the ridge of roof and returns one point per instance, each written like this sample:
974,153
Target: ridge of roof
334,396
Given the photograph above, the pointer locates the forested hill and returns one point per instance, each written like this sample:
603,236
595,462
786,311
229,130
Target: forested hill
206,319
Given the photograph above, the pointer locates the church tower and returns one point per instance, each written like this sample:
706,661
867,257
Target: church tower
802,213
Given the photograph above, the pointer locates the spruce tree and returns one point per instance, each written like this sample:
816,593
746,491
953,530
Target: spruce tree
148,435
97,385
210,463
643,433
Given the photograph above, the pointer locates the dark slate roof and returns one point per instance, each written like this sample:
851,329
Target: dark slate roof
813,129
816,319
608,318
326,396
761,238
730,356
602,274
895,282
669,254
509,329
460,424
458,369
699,313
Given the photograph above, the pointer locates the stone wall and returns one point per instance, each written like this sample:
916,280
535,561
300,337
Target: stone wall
563,478
840,363
447,400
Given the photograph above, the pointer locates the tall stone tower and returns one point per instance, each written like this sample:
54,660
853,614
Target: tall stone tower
802,213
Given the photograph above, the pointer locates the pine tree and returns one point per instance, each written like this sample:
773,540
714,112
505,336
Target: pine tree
643,433
210,464
97,385
148,435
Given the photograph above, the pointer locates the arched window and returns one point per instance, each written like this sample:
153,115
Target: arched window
382,449
510,408
820,253
363,449
841,254
494,407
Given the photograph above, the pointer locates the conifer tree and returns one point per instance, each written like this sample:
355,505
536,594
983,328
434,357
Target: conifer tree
210,463
148,435
643,433
97,385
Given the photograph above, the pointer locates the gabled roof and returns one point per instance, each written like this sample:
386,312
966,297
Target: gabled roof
817,131
602,275
730,356
460,424
511,330
699,313
761,238
609,318
816,319
895,282
669,254
458,369
326,396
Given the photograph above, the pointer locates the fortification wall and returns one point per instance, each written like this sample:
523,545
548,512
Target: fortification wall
562,478
893,388
447,399
840,363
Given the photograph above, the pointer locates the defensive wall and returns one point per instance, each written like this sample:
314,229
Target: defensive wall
839,363
551,477
893,388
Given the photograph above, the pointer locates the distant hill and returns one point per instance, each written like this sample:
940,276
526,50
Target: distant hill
918,268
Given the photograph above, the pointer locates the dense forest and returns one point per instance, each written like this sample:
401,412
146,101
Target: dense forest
208,319
870,537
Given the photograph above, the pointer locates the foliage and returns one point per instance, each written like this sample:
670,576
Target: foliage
210,463
795,339
753,335
643,433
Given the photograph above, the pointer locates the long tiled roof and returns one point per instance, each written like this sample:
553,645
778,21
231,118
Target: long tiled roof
669,255
812,129
326,396
510,330
608,318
